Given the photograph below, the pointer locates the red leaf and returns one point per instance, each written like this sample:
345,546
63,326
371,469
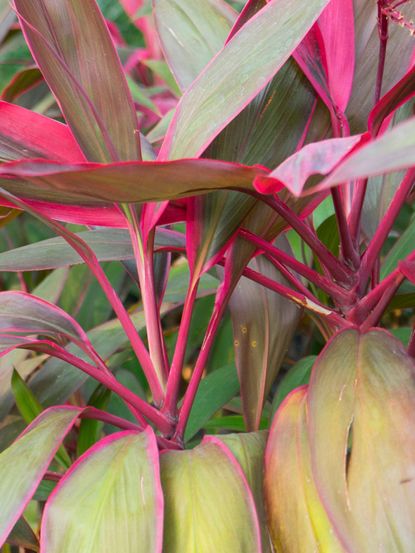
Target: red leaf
25,134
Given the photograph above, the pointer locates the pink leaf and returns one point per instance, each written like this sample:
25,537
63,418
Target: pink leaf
318,158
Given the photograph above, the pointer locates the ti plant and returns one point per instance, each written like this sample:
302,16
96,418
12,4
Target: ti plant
261,152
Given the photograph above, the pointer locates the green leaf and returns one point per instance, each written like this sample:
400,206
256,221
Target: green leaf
298,375
108,245
237,74
22,535
110,500
248,449
362,397
90,429
208,504
191,33
401,249
73,48
26,402
297,520
23,464
215,391
263,325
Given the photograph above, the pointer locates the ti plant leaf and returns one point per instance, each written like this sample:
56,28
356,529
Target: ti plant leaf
208,503
110,500
81,66
249,449
361,414
191,33
263,326
297,520
234,77
23,464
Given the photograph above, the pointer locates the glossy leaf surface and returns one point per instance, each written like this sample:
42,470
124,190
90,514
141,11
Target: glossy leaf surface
208,504
110,499
234,77
361,397
23,464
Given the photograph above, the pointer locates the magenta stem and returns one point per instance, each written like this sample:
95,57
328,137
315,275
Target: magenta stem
221,302
173,382
143,253
339,272
374,317
331,288
109,382
348,250
355,217
383,41
90,259
385,226
290,277
107,418
296,297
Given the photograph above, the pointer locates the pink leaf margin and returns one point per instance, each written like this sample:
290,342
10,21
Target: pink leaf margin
152,452
77,411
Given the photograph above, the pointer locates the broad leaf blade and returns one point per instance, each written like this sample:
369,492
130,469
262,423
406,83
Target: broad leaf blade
110,500
248,449
191,32
23,464
107,244
72,46
297,520
234,77
367,381
206,488
393,151
263,326
96,184
318,158
23,314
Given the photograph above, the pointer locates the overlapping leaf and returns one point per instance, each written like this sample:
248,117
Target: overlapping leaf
22,314
97,184
189,27
297,521
110,499
206,488
81,66
361,399
400,50
234,77
107,244
263,326
23,464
